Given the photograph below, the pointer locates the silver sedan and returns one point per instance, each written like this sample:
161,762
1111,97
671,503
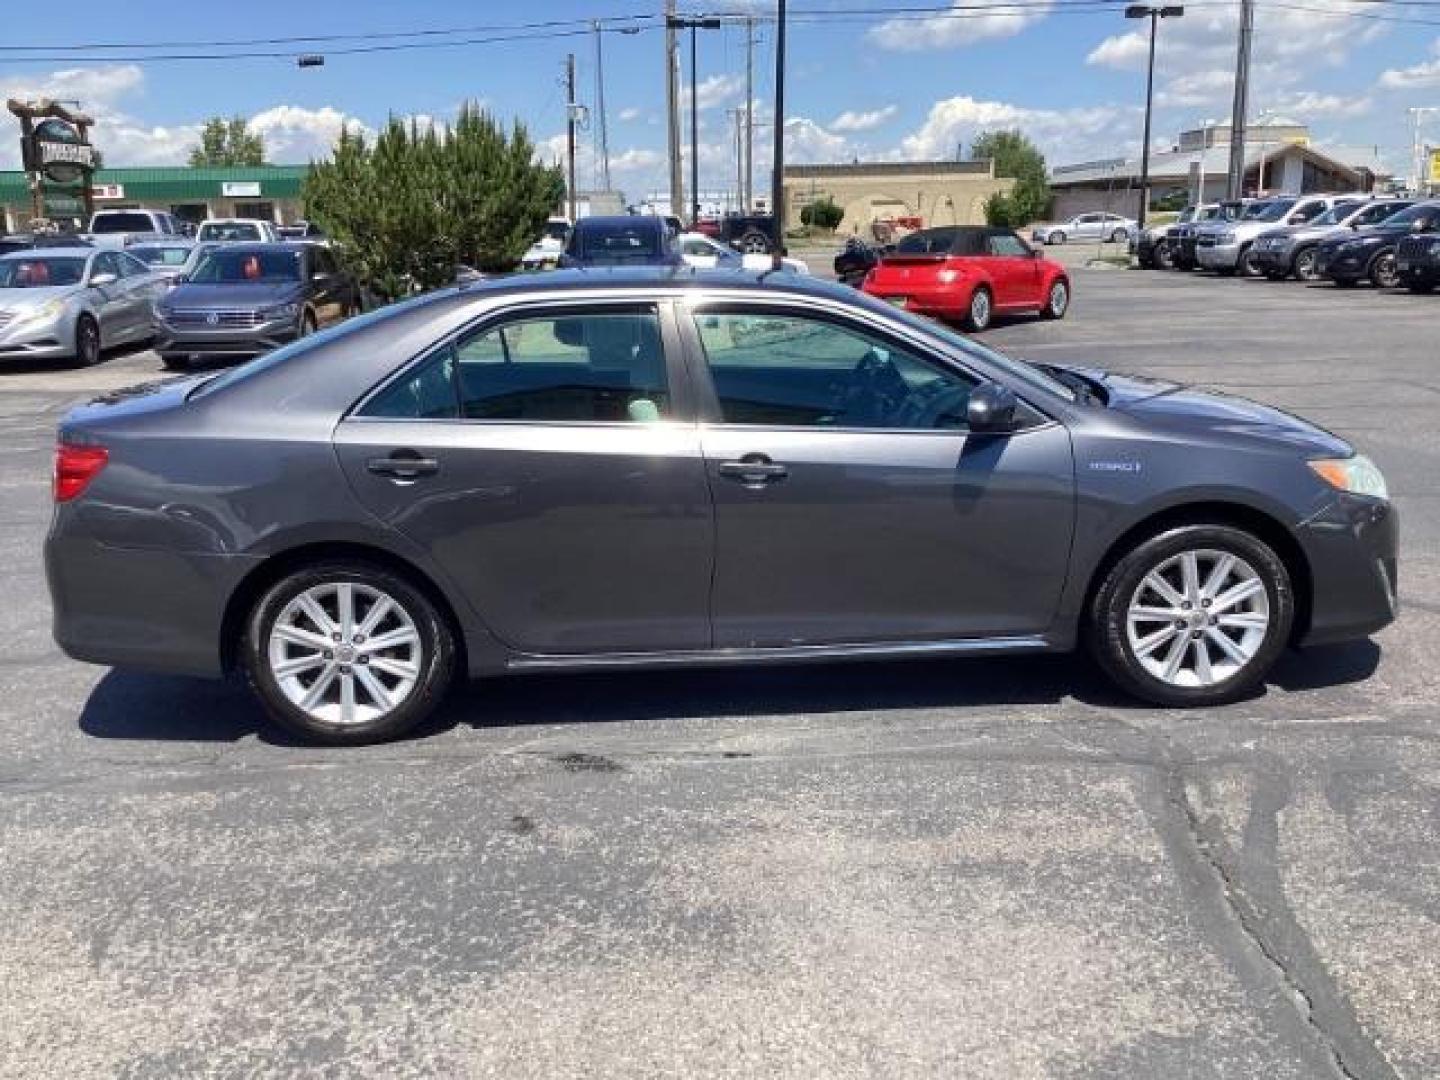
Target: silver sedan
71,304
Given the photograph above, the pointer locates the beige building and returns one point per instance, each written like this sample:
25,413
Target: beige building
934,192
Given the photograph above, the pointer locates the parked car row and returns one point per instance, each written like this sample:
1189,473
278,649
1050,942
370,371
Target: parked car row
192,301
1388,241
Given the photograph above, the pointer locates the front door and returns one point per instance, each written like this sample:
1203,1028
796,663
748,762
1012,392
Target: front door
1013,268
541,460
851,505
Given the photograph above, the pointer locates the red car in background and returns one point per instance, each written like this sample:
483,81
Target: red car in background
969,274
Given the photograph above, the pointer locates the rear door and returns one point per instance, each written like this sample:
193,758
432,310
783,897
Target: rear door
548,460
851,505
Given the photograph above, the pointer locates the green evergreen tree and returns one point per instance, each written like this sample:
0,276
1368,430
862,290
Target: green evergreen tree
1015,157
228,143
420,200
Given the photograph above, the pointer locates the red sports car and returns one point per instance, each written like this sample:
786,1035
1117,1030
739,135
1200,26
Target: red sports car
970,274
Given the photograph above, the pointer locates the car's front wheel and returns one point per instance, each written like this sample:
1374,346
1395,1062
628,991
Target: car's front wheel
1164,256
1247,267
1306,266
1196,615
87,342
346,653
1385,272
1057,302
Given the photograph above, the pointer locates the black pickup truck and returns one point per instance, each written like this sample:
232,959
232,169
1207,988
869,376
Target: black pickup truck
1417,262
749,233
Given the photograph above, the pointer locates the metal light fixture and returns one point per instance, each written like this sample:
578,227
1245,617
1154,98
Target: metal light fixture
1154,13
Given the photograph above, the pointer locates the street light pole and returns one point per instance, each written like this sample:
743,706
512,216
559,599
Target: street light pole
777,163
681,22
1154,14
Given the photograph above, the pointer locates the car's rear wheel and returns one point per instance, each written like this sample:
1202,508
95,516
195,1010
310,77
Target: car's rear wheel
1056,237
755,242
1196,615
1384,272
345,653
1164,256
1057,302
87,342
980,311
1305,266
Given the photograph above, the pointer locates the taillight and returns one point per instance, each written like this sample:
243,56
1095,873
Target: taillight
75,467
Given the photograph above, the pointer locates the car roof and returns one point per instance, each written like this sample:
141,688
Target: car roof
76,252
258,247
617,221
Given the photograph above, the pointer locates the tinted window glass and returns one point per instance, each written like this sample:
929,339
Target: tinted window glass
122,222
928,242
106,264
222,266
1373,215
427,394
230,230
22,273
788,371
1006,244
1424,213
617,243
595,367
162,256
131,266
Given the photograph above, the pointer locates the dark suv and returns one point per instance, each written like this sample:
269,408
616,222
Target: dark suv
1417,261
1370,252
622,240
246,299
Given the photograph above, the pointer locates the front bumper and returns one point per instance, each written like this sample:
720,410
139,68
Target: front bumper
1272,260
44,339
1418,272
197,342
1352,548
1343,266
1218,256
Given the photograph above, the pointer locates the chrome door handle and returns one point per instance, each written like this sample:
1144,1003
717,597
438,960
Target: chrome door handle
403,465
754,470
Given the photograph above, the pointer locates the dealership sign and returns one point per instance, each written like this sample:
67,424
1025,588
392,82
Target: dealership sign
59,151
240,189
107,191
57,156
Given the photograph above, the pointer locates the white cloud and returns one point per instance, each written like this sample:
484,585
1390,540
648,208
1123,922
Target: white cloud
1421,76
807,141
714,90
294,135
863,121
636,160
947,31
631,114
1063,134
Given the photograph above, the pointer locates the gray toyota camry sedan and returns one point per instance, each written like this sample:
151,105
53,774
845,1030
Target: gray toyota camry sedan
606,469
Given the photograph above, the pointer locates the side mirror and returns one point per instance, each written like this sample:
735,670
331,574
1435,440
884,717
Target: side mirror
991,409
104,279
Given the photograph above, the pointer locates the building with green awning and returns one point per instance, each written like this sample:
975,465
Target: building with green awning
269,192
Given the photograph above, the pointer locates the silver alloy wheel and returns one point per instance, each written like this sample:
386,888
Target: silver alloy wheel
1305,265
1059,299
980,309
345,653
1198,618
755,244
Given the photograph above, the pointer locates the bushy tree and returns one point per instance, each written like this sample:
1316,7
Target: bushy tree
1017,158
227,143
421,200
822,214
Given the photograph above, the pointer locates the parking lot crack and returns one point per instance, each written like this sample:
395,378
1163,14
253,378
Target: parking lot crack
1249,885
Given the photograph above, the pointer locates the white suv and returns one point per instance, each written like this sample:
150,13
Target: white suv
1227,247
245,230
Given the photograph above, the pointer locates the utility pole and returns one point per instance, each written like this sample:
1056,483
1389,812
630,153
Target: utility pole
1235,183
747,166
571,116
694,134
777,167
603,135
739,116
1417,156
672,110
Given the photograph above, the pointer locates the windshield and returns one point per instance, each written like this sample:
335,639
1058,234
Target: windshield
248,267
113,223
230,230
161,256
40,273
928,242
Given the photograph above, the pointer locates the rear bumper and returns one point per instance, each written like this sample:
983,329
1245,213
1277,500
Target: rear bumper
156,610
1352,548
948,303
1343,267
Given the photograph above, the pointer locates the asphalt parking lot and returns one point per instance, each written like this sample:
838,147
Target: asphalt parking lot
963,869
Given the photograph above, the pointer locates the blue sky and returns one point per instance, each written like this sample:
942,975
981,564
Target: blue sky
860,85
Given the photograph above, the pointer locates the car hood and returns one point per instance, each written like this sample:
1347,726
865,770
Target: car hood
234,296
13,299
1193,411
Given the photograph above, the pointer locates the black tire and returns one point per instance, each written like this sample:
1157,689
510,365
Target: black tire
1245,265
1056,237
981,312
1164,256
436,663
1056,306
754,242
1107,618
1384,273
87,342
1304,265
1421,288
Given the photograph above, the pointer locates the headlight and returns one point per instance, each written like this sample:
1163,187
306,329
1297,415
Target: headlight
48,310
1357,475
284,311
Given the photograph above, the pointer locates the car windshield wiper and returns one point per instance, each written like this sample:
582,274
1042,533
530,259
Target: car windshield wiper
1089,391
